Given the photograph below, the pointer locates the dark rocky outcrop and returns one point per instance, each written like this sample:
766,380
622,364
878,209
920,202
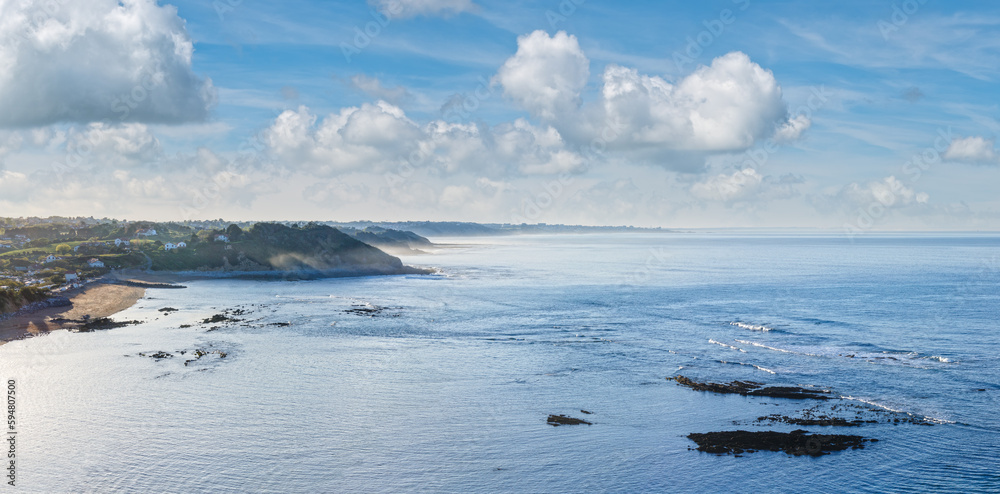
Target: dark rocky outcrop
751,388
798,443
557,420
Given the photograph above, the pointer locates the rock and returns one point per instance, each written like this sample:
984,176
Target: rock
557,420
103,323
751,388
167,310
822,420
798,443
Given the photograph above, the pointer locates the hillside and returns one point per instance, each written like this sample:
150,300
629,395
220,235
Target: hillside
313,248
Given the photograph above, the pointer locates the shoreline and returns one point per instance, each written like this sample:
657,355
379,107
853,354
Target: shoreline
120,291
96,300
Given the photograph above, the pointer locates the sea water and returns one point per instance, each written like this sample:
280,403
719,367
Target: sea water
443,383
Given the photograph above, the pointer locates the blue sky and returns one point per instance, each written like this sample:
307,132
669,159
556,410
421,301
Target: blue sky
731,113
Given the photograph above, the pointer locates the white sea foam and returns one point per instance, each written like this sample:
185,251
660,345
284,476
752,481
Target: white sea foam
761,345
731,347
896,410
751,327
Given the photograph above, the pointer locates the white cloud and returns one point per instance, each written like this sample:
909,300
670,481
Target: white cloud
890,192
727,188
374,88
379,137
746,185
115,145
89,60
372,137
793,129
413,8
972,150
730,105
546,75
726,106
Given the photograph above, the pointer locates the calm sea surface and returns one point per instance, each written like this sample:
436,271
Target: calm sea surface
448,387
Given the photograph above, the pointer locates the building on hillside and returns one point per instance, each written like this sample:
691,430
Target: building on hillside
72,277
170,246
51,258
221,238
95,263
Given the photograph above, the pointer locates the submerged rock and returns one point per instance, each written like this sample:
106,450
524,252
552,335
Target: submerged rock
557,420
798,443
751,388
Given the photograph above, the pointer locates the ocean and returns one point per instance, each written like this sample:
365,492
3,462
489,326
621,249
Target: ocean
443,383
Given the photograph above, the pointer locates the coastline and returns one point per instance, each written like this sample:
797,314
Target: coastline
96,300
122,290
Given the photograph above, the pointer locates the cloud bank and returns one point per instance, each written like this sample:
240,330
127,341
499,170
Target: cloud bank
84,61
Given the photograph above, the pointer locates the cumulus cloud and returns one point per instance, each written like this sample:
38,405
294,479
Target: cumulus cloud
413,8
546,75
972,150
106,145
380,137
89,60
793,129
374,88
730,105
726,106
890,192
745,185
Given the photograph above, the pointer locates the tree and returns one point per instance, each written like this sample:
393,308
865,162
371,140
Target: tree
39,242
63,249
234,233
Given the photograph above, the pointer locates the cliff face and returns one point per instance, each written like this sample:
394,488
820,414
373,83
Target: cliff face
12,300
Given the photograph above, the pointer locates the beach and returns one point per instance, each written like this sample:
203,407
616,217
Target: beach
96,300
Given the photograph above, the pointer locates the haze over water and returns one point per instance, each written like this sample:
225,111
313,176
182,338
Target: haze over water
449,387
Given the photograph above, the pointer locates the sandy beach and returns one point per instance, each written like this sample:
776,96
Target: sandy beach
96,300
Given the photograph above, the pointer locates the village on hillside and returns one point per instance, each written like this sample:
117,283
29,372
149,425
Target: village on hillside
58,254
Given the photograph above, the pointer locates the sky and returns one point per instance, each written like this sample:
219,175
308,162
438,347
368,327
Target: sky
853,115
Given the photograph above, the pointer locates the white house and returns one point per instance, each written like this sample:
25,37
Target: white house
51,258
146,233
181,245
170,246
221,238
95,263
120,242
72,277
